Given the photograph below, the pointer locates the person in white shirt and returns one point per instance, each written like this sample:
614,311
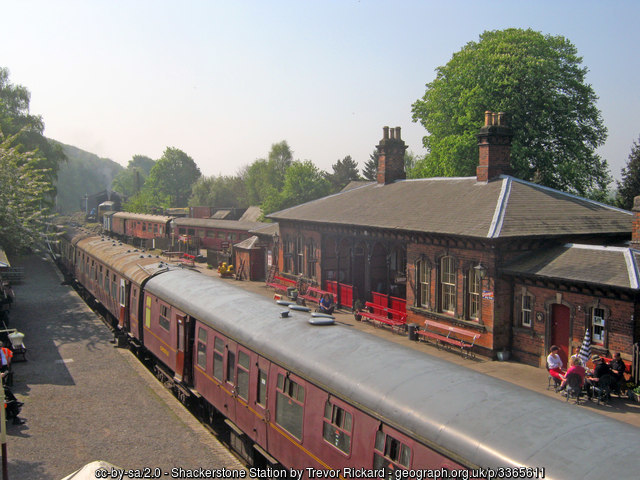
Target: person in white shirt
554,363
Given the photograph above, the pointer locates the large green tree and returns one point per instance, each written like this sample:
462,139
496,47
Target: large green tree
26,131
344,171
540,82
169,182
23,216
130,180
629,187
220,191
303,182
265,177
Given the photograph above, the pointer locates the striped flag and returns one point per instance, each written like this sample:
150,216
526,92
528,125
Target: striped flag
585,348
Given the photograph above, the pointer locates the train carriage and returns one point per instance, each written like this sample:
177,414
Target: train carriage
299,396
140,226
405,408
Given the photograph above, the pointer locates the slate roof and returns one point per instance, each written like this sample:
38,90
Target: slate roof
505,207
213,223
609,266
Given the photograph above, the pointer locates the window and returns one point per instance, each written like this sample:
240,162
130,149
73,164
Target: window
311,259
448,284
262,388
243,375
202,349
123,297
210,234
290,405
525,314
165,315
218,351
597,322
388,449
106,283
288,247
299,255
475,289
337,427
114,286
423,290
231,367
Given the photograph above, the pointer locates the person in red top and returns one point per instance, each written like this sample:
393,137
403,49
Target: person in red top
575,366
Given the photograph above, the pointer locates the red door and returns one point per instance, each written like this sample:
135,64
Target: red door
182,332
560,316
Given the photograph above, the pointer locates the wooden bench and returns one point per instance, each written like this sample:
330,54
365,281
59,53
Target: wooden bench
396,319
282,283
447,336
314,294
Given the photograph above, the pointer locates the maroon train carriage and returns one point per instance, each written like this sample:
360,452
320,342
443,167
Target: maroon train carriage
300,396
113,274
211,233
139,225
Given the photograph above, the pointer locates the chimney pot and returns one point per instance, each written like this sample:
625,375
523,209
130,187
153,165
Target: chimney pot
398,133
385,131
488,118
494,147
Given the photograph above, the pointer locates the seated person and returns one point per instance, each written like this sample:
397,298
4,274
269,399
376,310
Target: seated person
575,366
325,305
576,355
554,364
600,369
618,368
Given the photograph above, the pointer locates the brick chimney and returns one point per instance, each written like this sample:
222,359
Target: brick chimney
635,225
494,147
391,156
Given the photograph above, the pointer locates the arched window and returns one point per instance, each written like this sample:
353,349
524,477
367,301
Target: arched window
448,284
423,283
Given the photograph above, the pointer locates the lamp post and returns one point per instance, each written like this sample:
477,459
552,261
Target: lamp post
481,271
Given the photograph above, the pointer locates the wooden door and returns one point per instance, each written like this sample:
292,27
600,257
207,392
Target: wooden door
560,321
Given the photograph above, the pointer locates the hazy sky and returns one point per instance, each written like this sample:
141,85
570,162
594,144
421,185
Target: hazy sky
224,80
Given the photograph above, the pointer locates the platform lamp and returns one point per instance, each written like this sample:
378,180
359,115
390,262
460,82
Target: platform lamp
481,271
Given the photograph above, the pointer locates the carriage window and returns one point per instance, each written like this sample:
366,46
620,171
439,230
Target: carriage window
122,293
231,366
290,405
114,288
337,427
202,348
106,283
388,449
243,375
262,388
218,351
164,317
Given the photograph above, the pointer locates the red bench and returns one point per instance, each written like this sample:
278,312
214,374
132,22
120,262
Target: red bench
447,336
314,294
396,319
188,260
282,283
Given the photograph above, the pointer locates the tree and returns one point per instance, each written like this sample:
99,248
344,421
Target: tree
303,182
26,131
344,171
169,182
263,178
222,191
539,81
630,185
23,220
370,170
130,181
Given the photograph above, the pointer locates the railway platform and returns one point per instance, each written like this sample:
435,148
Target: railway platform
86,400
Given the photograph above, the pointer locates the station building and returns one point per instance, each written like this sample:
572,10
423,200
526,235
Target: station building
523,265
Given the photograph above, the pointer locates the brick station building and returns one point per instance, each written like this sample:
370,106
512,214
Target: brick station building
524,265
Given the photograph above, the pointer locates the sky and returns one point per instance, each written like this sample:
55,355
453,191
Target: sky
224,80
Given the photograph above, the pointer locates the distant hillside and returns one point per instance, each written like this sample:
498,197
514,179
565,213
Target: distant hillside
83,173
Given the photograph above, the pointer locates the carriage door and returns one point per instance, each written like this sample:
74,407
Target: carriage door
180,347
560,316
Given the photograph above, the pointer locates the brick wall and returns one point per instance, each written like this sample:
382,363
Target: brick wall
530,344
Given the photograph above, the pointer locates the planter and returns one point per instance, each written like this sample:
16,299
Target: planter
634,396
